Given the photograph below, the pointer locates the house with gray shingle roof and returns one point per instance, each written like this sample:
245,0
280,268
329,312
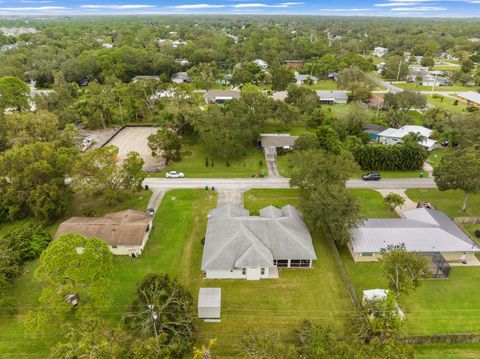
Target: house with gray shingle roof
240,246
423,230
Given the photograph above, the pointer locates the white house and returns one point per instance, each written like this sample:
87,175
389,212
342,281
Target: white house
423,230
332,97
380,51
220,96
125,232
240,246
261,63
302,79
392,136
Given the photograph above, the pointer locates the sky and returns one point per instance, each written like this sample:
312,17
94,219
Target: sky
397,8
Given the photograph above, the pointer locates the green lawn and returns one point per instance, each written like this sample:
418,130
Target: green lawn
193,164
323,85
415,87
435,156
437,306
448,351
283,164
449,202
446,67
446,103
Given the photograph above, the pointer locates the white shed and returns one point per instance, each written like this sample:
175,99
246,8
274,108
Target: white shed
209,303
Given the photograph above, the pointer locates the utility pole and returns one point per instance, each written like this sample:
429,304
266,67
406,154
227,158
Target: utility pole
434,82
399,67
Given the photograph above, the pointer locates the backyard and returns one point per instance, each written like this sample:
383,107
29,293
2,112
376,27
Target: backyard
416,87
446,103
193,164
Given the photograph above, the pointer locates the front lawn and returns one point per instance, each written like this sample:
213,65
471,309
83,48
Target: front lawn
283,164
449,202
328,85
446,103
416,87
435,156
193,164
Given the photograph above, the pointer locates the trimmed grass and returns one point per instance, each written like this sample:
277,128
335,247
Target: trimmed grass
447,351
323,85
193,164
435,156
283,164
446,103
437,306
449,202
415,87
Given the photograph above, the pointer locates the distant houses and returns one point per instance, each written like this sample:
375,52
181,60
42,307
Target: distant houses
332,97
125,232
220,96
380,51
392,136
294,64
301,79
240,246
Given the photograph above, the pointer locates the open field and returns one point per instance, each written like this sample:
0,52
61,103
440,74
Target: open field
136,139
446,103
453,88
193,164
449,202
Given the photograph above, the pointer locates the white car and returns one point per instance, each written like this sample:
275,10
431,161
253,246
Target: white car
174,174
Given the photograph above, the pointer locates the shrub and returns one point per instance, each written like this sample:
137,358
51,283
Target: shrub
376,157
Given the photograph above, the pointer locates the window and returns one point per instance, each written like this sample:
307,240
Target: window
244,271
305,263
295,263
262,271
114,246
367,254
282,263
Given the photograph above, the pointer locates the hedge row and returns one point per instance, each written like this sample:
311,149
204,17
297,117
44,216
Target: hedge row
376,157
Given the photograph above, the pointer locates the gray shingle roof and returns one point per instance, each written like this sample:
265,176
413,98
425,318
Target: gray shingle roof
234,239
422,230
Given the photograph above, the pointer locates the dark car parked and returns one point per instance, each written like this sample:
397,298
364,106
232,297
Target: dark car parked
373,176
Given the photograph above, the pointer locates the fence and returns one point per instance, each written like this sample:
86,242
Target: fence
455,338
467,220
345,276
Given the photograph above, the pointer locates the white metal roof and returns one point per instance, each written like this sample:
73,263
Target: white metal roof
373,294
422,230
470,96
209,297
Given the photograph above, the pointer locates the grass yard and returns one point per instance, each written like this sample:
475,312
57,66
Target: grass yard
449,202
448,351
415,87
283,164
323,85
437,306
193,164
446,103
435,156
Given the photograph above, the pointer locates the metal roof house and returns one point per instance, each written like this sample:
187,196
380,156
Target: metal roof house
220,96
331,97
125,232
422,230
180,78
392,136
301,79
470,98
277,140
240,246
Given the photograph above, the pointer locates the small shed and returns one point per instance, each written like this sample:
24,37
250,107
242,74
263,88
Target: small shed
209,303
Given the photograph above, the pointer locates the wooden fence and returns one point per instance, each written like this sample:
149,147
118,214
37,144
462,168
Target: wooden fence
454,338
467,220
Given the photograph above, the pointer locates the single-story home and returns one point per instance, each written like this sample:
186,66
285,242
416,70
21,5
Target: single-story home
220,96
331,97
180,78
380,51
373,130
125,232
470,98
430,80
261,63
423,230
294,64
305,79
392,136
240,246
277,140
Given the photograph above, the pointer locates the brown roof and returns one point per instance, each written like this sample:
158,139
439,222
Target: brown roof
120,228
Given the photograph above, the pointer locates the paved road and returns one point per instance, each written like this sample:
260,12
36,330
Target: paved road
271,160
235,184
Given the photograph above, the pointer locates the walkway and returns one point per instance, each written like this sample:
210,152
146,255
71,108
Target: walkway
271,161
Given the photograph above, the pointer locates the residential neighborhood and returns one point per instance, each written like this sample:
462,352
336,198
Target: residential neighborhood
239,181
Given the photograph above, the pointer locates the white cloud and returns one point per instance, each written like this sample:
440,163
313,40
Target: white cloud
420,8
117,7
240,6
39,8
292,3
196,6
393,4
340,10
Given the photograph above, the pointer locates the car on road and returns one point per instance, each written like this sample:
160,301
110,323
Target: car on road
175,174
372,176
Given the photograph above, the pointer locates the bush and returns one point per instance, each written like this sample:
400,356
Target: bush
477,233
8,306
377,157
